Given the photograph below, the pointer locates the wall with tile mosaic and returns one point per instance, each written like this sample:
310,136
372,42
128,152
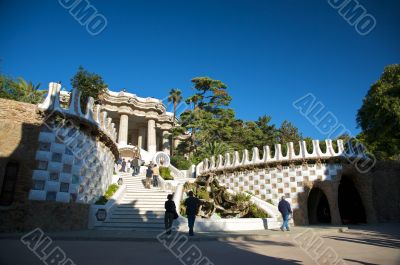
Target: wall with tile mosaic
76,153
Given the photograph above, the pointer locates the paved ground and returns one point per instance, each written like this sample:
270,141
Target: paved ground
318,245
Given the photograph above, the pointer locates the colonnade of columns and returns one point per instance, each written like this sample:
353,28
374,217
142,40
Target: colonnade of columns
142,134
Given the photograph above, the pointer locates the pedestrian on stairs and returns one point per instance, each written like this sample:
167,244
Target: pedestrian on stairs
128,166
149,175
123,165
170,211
135,166
156,173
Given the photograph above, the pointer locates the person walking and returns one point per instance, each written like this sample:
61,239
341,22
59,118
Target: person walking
123,165
149,175
170,211
192,206
285,210
135,165
156,173
128,166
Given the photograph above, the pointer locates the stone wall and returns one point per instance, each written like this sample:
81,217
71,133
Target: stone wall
19,131
71,164
76,151
386,191
62,155
49,216
20,125
272,183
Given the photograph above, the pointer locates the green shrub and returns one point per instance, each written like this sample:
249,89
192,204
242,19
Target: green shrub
270,201
203,194
255,212
165,173
108,194
180,162
182,209
241,197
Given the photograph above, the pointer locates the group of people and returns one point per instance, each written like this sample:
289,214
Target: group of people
152,175
192,203
192,207
126,166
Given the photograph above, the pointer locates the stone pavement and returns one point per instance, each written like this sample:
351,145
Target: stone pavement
111,235
378,244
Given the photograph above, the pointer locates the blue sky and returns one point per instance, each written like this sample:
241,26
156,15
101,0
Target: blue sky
269,53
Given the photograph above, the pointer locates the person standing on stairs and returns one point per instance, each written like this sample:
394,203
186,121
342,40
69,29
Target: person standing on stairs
135,166
149,175
156,173
123,165
170,210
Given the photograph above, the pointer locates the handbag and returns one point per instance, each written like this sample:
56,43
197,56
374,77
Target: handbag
176,215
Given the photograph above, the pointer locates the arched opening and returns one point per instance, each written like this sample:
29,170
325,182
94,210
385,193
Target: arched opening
318,207
9,182
350,205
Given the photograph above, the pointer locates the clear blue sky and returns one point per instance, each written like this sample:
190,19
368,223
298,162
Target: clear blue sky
269,53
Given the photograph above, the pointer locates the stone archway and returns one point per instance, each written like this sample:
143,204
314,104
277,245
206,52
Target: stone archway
351,208
318,207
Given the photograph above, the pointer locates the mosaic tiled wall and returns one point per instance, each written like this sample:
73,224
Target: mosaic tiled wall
271,184
70,166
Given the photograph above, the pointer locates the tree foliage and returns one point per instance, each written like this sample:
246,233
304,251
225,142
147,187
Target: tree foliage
215,129
175,96
90,84
379,115
20,90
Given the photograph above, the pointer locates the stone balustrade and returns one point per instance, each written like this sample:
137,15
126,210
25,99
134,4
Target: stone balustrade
352,151
92,115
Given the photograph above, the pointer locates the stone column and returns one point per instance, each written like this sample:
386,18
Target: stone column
123,130
141,137
165,142
102,113
151,136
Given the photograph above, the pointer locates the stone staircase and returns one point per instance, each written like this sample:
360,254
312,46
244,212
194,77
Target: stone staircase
140,208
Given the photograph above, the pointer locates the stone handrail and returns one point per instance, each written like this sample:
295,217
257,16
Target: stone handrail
52,104
176,172
356,151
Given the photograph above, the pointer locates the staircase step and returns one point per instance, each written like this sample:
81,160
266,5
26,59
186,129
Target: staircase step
137,211
137,221
137,216
133,225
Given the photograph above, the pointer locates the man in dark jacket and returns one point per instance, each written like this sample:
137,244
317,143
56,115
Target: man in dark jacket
285,210
192,206
170,210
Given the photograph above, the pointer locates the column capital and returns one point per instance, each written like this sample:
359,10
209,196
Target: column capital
124,110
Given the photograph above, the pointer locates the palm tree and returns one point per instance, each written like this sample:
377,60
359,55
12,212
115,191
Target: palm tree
28,92
20,90
175,96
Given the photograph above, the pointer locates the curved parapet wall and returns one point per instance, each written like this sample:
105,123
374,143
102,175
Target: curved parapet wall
76,153
223,163
269,177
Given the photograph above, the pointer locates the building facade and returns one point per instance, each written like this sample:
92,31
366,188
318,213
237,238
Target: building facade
142,124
